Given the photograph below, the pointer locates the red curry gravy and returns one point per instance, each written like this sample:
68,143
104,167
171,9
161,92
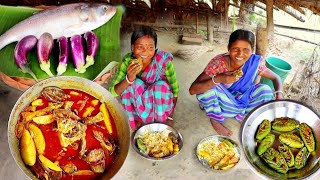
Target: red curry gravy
55,152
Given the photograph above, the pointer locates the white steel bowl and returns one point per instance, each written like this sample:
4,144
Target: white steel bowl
155,127
270,111
217,139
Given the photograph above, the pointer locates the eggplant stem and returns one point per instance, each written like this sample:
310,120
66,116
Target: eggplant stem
26,69
80,69
61,69
46,68
89,62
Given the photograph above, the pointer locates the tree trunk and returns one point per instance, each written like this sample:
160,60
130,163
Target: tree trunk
270,25
226,9
262,41
210,27
242,11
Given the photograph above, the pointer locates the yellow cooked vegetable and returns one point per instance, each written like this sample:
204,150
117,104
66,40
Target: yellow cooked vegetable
88,111
74,93
49,164
104,110
94,102
38,138
37,102
170,145
204,154
28,149
176,148
46,119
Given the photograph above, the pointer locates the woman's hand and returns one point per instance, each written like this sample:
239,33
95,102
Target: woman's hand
278,95
132,71
226,78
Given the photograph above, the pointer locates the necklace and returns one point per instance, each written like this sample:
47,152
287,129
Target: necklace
231,69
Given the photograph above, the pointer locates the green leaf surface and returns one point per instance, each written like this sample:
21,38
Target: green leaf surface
109,46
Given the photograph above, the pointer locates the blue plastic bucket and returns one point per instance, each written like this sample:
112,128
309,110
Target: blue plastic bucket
278,66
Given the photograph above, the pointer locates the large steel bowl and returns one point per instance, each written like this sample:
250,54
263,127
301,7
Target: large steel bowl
270,111
84,85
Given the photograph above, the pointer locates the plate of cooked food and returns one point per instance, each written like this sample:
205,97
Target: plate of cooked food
218,152
280,140
157,141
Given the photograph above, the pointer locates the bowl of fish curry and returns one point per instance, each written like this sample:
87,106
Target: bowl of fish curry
157,141
68,128
280,140
218,152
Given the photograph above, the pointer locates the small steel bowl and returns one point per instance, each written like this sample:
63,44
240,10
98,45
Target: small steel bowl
155,127
216,139
270,111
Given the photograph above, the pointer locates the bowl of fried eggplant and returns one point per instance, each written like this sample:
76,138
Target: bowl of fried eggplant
280,140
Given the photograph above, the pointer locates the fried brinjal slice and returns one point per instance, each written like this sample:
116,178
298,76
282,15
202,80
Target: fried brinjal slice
275,160
265,143
286,152
263,129
301,158
291,140
284,124
306,134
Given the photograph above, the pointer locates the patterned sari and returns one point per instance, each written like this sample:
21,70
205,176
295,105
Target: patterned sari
150,97
236,99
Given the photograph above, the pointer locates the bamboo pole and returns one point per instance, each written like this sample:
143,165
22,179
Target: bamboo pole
297,39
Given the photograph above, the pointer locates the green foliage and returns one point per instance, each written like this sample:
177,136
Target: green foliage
257,20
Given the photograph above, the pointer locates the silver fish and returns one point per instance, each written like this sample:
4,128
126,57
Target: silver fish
66,20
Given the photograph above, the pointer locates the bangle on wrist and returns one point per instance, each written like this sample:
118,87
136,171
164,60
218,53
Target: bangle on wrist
130,82
277,92
170,118
213,80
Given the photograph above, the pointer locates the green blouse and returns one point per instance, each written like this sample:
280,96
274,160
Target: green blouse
170,74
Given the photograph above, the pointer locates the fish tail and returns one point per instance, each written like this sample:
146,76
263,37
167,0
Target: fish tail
4,40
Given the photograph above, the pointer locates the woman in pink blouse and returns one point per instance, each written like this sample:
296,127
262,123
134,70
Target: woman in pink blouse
227,88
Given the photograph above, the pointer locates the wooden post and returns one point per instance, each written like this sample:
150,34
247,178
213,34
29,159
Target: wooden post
261,44
226,9
270,24
210,27
261,41
197,25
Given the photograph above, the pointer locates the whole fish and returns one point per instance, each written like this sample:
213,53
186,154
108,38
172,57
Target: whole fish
66,20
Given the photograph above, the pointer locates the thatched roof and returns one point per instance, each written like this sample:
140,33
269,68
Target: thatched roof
296,8
293,7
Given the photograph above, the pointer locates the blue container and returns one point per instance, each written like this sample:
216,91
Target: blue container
278,66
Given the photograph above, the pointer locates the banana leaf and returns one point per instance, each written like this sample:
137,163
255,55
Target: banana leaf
108,53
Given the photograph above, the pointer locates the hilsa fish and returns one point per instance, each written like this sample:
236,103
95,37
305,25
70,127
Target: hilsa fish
66,20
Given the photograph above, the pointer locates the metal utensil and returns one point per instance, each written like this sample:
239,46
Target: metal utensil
270,111
155,127
216,139
84,85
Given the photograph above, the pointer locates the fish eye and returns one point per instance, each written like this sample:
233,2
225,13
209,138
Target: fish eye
105,8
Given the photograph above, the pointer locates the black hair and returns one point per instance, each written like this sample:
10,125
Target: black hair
144,31
241,34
